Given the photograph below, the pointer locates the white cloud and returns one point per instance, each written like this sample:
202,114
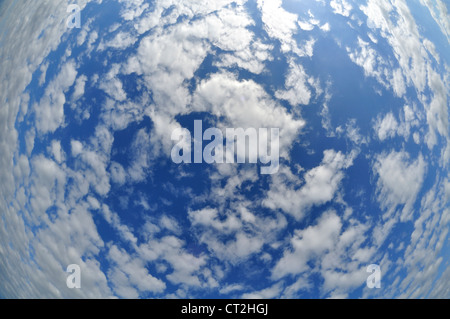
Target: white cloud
375,66
267,293
399,182
305,25
325,27
57,152
279,23
297,90
50,109
176,53
77,147
79,87
129,276
319,187
231,288
410,50
439,12
307,244
251,57
43,69
341,7
118,174
424,259
387,127
121,41
246,232
245,104
300,284
426,251
142,156
125,232
112,85
132,9
185,266
353,134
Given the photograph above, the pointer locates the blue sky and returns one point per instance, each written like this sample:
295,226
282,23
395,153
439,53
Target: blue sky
361,101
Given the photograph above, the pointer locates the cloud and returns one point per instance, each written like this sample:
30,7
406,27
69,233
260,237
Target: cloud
122,40
440,14
410,50
50,109
46,252
423,260
310,23
279,23
129,277
111,85
245,104
353,134
424,254
341,7
251,58
399,182
186,267
267,293
117,173
238,236
79,87
307,244
58,154
132,9
374,65
125,232
297,91
319,187
387,127
231,288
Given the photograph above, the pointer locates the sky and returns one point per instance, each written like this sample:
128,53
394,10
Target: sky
358,90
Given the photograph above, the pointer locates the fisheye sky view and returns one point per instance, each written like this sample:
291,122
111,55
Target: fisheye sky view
93,93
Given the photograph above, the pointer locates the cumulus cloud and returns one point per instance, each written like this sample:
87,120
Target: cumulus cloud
267,293
279,23
79,87
341,7
121,40
50,109
112,85
439,12
129,277
387,127
296,88
251,58
410,51
213,231
399,181
246,104
375,66
308,243
319,186
185,267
